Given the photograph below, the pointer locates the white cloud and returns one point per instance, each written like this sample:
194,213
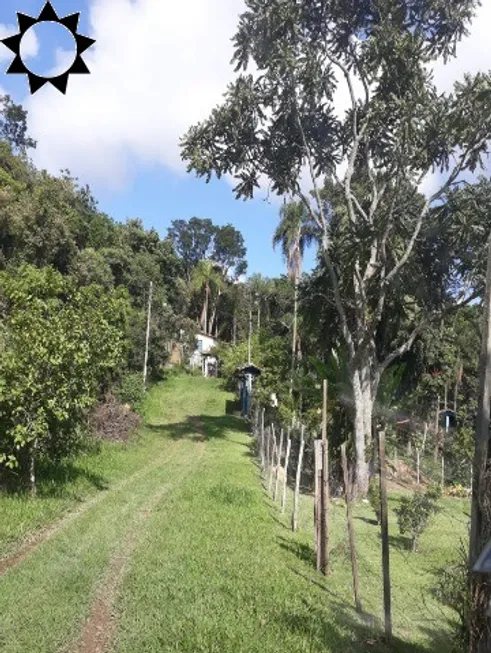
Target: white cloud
29,43
156,68
473,52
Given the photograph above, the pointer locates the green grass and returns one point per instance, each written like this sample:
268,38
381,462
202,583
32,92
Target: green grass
217,567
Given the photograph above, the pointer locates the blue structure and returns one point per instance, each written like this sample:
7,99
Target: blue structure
246,376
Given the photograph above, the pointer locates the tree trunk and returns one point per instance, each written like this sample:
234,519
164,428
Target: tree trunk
234,330
204,312
363,417
296,497
351,530
213,319
294,337
479,624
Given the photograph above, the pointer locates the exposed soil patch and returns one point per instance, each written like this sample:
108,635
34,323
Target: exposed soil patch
99,628
401,475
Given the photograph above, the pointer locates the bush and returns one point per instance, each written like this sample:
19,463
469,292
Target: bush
414,513
374,497
452,589
459,491
131,390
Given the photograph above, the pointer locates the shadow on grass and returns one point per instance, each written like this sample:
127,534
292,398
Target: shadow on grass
349,633
55,478
303,551
367,520
201,427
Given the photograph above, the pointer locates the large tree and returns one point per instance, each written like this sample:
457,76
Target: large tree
293,234
284,120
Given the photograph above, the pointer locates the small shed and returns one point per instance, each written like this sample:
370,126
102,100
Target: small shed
246,375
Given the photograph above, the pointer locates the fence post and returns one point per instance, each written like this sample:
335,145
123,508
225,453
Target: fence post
351,530
384,525
273,451
278,467
263,462
285,479
296,497
317,501
325,486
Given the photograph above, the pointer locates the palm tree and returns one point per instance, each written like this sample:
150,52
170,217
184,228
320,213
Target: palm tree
294,233
207,276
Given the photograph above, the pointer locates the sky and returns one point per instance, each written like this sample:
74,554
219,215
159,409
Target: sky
157,68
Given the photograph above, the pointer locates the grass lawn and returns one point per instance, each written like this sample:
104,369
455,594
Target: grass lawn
216,567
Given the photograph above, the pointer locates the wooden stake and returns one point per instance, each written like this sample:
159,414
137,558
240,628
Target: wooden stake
147,339
437,428
273,451
351,530
325,488
317,501
443,472
285,478
384,525
278,467
263,462
296,496
425,436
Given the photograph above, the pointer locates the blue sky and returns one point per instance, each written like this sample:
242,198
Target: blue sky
155,192
157,67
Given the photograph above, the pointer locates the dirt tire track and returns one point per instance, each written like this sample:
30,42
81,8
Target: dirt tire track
99,628
36,539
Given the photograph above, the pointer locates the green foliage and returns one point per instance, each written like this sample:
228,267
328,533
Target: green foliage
271,354
415,512
374,497
13,125
453,590
131,390
199,239
62,343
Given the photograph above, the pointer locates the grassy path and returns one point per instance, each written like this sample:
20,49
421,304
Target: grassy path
182,551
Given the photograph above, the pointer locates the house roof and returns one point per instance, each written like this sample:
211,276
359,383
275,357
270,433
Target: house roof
249,369
206,335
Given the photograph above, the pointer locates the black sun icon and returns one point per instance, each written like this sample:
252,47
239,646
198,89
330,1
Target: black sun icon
48,14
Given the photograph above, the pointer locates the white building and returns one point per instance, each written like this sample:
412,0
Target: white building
203,357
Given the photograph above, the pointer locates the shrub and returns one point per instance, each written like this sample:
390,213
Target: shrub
414,513
374,497
459,491
131,390
452,589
